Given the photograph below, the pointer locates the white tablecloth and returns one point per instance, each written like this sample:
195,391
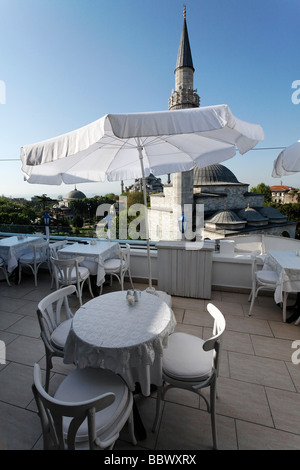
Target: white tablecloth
287,266
128,339
11,249
94,255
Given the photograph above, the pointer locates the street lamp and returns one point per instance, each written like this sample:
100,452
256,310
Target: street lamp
46,218
182,224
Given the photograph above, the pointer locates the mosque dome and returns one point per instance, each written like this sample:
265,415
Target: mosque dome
214,174
225,219
75,194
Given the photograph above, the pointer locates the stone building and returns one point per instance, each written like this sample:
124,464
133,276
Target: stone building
213,193
153,185
285,194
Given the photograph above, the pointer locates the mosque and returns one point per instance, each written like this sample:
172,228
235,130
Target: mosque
63,209
229,208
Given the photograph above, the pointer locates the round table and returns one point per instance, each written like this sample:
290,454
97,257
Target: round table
127,339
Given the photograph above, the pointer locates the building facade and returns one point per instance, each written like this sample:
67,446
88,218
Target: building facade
285,194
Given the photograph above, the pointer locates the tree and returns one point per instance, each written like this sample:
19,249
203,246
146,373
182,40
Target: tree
77,221
262,188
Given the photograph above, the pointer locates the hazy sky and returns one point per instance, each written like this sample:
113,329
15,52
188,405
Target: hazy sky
65,63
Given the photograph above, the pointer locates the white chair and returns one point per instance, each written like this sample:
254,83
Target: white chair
264,279
37,255
4,269
53,249
88,410
68,272
55,318
118,267
192,363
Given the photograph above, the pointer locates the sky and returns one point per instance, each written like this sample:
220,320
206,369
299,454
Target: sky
66,63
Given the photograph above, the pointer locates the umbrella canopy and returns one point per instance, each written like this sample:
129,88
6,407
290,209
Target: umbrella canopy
172,141
128,146
288,161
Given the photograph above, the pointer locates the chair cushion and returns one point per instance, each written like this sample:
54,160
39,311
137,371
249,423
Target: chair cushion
59,335
84,384
112,264
267,276
184,358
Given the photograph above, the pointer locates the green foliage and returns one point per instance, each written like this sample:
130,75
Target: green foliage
77,221
87,207
292,211
262,188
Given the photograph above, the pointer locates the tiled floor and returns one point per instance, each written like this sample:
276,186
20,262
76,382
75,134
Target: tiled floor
258,405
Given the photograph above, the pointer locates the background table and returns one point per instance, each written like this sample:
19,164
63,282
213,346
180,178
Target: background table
94,255
287,265
11,249
108,332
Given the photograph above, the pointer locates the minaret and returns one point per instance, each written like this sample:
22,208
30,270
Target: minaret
184,96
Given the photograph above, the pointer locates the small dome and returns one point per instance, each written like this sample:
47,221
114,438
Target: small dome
213,174
225,220
225,217
251,214
75,194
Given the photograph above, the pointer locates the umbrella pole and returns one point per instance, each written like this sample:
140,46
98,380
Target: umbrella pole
140,148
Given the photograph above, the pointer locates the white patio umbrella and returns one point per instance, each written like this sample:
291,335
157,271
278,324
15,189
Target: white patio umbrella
127,146
288,161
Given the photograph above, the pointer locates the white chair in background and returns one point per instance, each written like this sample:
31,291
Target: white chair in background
264,279
192,363
4,269
88,410
55,318
68,272
118,267
37,255
53,249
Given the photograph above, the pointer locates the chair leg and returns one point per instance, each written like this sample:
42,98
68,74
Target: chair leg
158,408
131,429
90,287
79,292
213,413
253,295
6,276
48,369
20,269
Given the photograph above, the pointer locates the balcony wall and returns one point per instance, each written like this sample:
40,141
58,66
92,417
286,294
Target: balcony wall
230,271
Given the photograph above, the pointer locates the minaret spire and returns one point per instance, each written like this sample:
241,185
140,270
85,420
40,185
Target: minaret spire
184,96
